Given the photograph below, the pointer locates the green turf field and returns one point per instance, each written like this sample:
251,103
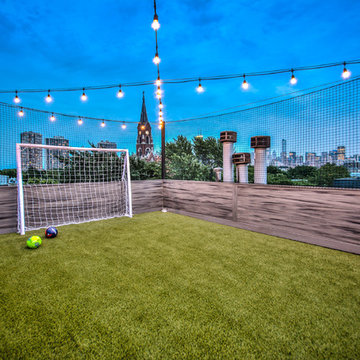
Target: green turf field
164,286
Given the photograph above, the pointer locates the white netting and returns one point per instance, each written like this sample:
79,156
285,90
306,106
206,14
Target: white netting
61,185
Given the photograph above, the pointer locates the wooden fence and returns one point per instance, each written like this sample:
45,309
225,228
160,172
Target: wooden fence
322,216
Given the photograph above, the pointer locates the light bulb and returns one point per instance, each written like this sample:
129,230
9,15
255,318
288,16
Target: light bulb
52,117
245,84
120,93
160,127
48,99
21,113
123,126
16,98
346,73
200,89
80,121
83,96
160,112
158,96
161,106
155,24
156,59
103,124
293,79
158,81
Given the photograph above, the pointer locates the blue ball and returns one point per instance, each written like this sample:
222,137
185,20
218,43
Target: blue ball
51,232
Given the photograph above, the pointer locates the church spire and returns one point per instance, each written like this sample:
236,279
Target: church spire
143,116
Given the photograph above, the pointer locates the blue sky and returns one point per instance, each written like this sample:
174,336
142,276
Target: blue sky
47,44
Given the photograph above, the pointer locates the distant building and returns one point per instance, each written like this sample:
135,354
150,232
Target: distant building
106,144
55,158
347,183
341,153
144,142
283,151
310,159
31,158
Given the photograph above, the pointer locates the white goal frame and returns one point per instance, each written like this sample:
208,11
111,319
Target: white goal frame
20,186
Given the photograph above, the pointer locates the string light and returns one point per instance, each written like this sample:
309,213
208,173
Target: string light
346,73
83,96
161,106
155,24
103,124
156,59
16,98
158,81
293,79
200,89
48,99
80,121
123,126
120,93
21,112
160,112
245,84
52,117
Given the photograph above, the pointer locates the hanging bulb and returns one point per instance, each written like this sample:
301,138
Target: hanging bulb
123,126
346,73
103,124
80,121
83,96
161,106
155,24
160,112
293,79
21,112
158,81
52,117
245,84
156,59
120,93
200,89
48,99
16,98
158,93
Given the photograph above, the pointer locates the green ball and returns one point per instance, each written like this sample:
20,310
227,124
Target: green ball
33,242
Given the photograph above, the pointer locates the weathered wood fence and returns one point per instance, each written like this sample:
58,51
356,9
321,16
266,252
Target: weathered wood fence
322,216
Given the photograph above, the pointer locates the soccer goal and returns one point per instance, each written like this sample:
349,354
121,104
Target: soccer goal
60,185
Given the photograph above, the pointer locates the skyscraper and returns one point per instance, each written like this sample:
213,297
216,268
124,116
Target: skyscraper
283,151
341,153
31,158
55,158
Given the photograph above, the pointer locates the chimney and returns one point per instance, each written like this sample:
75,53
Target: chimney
260,144
241,161
228,138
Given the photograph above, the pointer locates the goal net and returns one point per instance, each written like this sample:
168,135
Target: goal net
59,185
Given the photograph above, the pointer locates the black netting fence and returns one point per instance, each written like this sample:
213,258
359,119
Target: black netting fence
314,140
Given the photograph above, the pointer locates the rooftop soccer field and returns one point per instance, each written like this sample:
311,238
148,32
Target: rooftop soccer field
167,286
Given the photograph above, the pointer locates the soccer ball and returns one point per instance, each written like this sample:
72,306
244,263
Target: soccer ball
33,242
51,232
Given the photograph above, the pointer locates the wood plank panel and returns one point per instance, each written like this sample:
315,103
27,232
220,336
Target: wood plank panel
214,199
8,209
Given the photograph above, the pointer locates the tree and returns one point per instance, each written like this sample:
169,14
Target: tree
209,151
302,172
326,175
179,146
142,170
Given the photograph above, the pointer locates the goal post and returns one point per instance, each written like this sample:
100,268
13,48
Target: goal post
61,185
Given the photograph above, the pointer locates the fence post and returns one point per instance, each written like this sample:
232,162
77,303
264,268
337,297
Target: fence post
163,168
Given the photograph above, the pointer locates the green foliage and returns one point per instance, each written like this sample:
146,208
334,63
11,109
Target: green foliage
326,175
209,151
179,146
8,172
143,170
188,167
302,172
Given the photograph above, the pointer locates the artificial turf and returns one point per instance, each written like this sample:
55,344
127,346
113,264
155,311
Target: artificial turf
165,286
